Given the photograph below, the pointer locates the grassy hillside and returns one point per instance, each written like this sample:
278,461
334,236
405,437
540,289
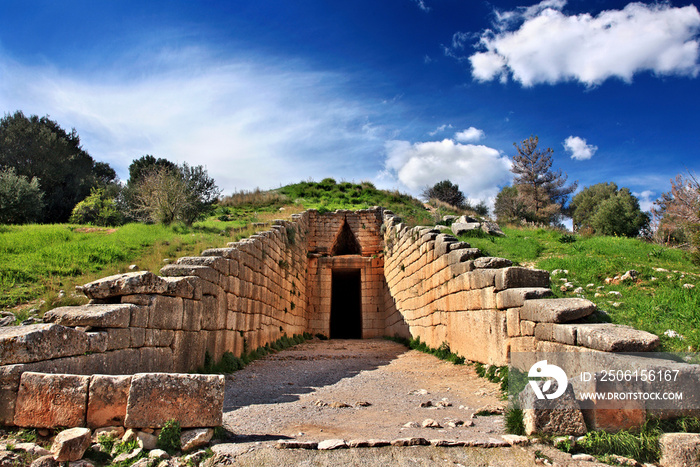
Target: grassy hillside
664,297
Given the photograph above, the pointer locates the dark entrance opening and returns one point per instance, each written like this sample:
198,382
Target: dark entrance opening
346,313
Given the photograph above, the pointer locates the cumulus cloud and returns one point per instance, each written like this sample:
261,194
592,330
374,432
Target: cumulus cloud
541,44
440,129
477,169
646,200
579,149
251,121
470,135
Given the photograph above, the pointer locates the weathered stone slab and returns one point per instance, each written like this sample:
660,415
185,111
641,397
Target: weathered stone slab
680,449
185,287
615,338
560,416
513,298
142,282
217,262
204,272
166,313
459,228
192,400
23,344
47,401
556,310
516,277
562,333
70,445
490,262
193,439
99,316
492,228
107,398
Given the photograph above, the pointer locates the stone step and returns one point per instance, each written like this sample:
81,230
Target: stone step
513,298
556,310
615,338
98,316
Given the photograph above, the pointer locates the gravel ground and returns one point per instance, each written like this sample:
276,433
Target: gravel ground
299,393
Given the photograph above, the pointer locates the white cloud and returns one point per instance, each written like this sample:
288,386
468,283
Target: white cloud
251,121
470,135
421,4
440,129
477,169
646,202
579,149
541,44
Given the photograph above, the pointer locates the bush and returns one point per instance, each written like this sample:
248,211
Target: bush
447,192
21,200
169,437
97,209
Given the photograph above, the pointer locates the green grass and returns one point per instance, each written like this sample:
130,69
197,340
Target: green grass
651,305
443,352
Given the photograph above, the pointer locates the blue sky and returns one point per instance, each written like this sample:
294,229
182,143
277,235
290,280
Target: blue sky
404,93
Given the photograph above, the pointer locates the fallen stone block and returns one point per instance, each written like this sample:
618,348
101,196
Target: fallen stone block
217,262
37,342
192,400
489,262
99,316
48,401
615,338
556,310
193,439
459,228
680,449
107,399
143,282
70,445
207,273
330,444
492,228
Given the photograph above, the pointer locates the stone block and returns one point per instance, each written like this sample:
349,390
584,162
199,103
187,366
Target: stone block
107,398
166,313
562,333
560,416
213,313
482,278
99,316
489,262
527,328
556,310
138,337
204,272
680,450
478,335
615,338
118,338
512,298
216,262
133,283
97,342
70,445
188,350
156,359
36,342
192,314
192,400
47,401
184,287
513,322
516,277
159,337
459,228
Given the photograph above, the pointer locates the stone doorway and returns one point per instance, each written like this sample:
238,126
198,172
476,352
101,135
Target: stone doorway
346,304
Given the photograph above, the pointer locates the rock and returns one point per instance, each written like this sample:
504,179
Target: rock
630,275
128,456
679,449
195,458
411,425
129,435
430,423
426,404
192,400
362,404
560,416
583,457
132,283
615,293
33,449
516,440
556,310
45,461
9,459
71,444
133,267
193,439
329,444
294,444
7,320
673,334
149,441
579,290
621,460
338,405
158,454
85,463
100,316
115,432
459,228
49,401
688,286
488,262
410,442
492,228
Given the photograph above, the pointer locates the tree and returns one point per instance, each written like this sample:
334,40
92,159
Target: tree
606,210
39,147
445,191
541,189
145,164
677,212
508,206
21,200
166,195
97,209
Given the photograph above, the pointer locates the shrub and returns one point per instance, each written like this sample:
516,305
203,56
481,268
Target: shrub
169,437
97,209
21,199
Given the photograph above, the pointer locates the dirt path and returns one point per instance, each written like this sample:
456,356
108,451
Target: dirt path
300,393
